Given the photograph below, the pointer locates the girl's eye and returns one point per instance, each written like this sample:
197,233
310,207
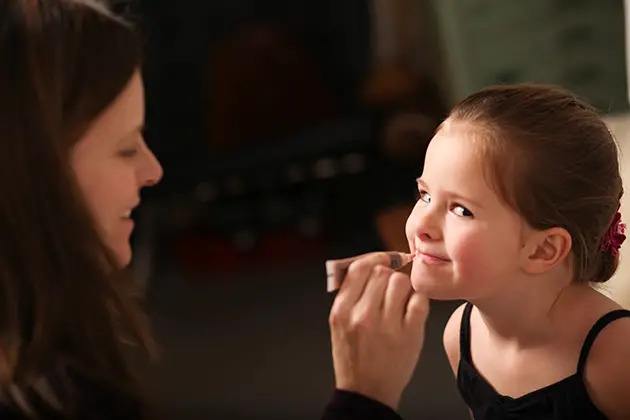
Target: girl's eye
462,211
424,196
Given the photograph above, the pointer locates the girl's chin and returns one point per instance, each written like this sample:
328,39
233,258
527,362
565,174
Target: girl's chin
433,290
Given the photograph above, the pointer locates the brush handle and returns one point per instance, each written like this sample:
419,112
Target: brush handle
336,270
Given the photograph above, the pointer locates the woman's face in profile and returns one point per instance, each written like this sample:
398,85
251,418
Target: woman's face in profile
112,164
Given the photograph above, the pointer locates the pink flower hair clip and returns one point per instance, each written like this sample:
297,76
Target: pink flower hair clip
615,235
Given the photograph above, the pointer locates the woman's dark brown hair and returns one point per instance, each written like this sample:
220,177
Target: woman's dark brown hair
62,303
553,159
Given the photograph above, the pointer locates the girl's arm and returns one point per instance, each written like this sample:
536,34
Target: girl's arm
607,371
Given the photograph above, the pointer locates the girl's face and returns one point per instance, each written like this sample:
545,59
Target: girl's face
112,164
466,239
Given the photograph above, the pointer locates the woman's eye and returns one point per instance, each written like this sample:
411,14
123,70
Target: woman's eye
128,153
462,211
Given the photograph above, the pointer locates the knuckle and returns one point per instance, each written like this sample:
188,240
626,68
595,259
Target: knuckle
381,270
361,321
336,319
400,279
355,268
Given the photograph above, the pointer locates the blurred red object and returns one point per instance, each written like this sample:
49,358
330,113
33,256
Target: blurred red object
262,85
204,254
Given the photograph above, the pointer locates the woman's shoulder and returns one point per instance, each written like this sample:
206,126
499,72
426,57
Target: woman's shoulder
73,396
8,412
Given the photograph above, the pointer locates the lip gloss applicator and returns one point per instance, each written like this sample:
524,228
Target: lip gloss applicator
336,270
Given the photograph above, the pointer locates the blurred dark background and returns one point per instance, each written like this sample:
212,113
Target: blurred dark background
291,132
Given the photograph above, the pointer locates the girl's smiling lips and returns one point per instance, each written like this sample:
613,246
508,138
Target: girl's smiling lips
429,257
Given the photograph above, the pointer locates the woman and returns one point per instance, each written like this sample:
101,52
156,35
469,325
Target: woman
72,164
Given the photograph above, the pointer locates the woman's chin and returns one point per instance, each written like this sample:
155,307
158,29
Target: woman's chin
123,255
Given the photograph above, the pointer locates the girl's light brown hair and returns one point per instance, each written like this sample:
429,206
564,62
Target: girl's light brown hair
552,158
62,302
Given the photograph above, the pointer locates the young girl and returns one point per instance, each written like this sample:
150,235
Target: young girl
518,213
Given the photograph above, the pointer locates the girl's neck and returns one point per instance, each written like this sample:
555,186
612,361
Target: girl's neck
531,314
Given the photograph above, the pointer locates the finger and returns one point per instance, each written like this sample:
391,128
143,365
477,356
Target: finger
417,310
354,284
337,270
371,301
396,296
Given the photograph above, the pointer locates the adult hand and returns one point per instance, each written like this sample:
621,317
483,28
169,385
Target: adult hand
377,325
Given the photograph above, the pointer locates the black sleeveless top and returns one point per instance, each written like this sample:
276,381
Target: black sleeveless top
565,399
